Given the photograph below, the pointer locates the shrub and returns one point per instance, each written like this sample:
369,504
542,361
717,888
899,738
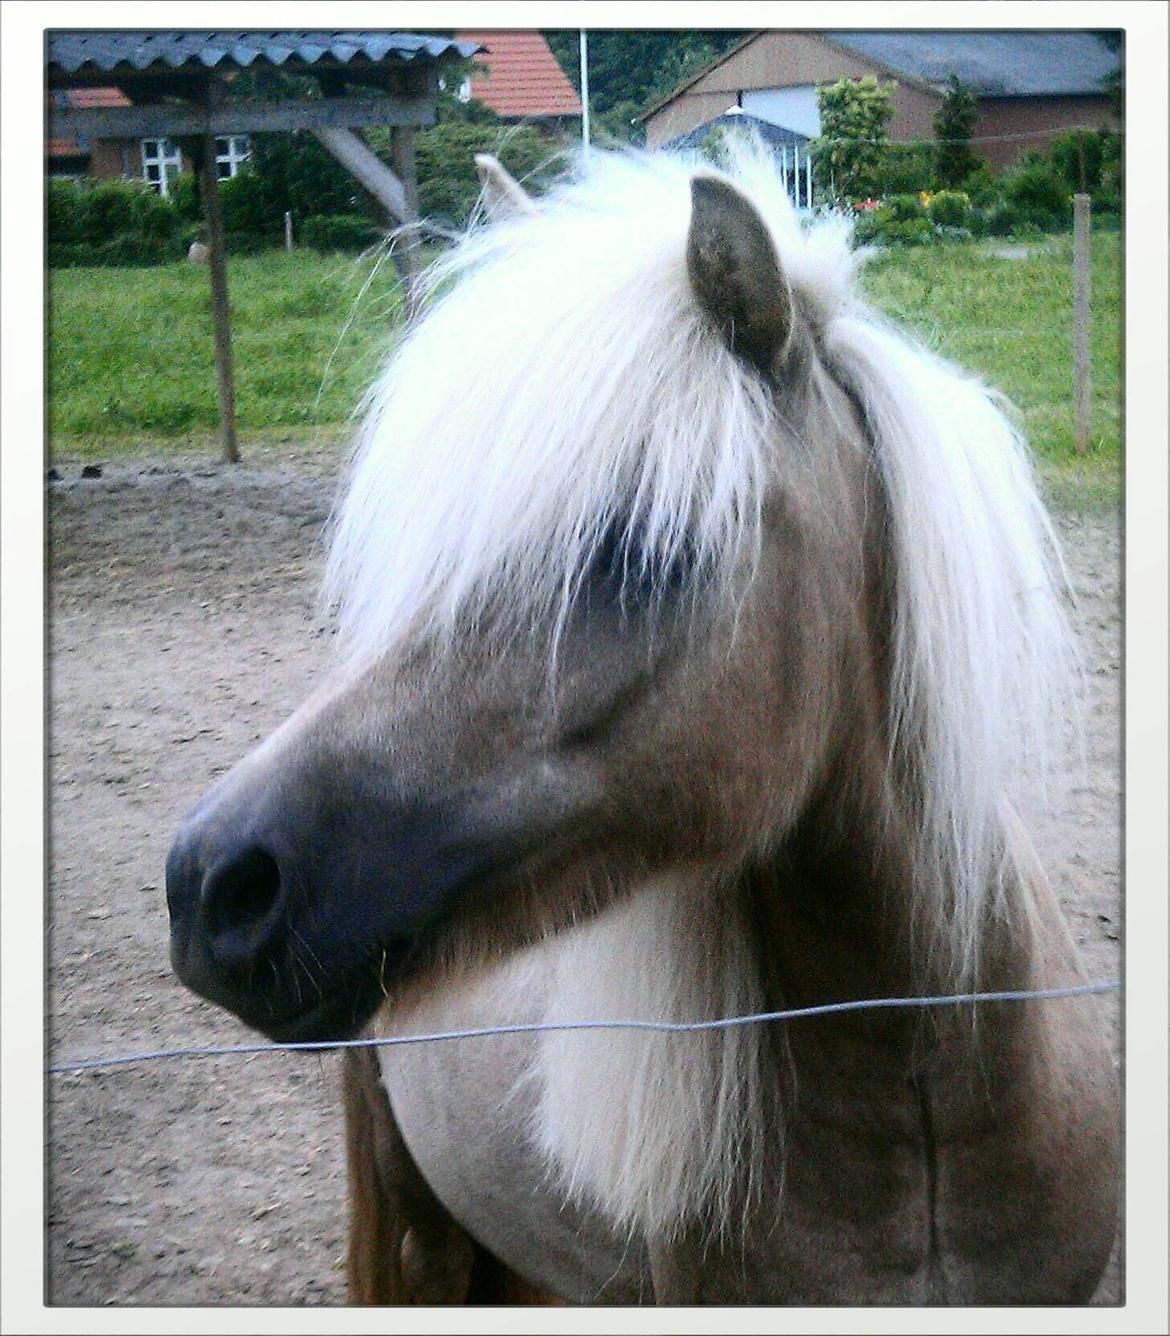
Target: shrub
949,208
131,208
109,222
980,186
245,206
184,198
884,226
340,232
1038,192
1009,220
908,169
903,208
64,212
1086,159
944,232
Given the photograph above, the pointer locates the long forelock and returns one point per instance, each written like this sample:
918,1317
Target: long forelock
563,385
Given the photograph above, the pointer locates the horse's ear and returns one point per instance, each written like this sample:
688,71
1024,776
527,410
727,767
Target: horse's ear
503,195
736,274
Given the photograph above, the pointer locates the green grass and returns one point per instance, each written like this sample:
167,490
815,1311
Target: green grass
130,355
1010,320
130,350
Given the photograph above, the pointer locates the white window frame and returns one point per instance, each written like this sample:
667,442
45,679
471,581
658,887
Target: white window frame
237,152
166,156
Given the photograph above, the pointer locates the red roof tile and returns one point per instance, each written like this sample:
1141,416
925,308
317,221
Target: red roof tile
524,77
95,97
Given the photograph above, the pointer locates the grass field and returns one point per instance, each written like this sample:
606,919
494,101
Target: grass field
130,354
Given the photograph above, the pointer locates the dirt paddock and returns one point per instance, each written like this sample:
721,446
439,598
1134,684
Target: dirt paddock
183,627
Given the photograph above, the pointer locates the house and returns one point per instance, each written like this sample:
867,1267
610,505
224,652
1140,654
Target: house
155,161
1029,84
521,80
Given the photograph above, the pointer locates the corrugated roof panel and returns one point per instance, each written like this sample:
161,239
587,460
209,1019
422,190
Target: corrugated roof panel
77,51
1014,63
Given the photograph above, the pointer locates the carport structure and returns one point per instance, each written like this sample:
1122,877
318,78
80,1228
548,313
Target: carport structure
179,84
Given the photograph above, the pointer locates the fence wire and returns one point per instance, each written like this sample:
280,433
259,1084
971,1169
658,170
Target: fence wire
549,1027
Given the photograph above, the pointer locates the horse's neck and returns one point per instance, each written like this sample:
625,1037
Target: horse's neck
838,913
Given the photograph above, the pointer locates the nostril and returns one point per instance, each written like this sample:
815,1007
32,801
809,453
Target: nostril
241,902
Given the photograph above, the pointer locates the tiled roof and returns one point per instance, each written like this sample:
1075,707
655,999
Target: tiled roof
524,78
103,51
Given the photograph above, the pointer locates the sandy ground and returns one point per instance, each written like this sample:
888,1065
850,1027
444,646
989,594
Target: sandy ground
183,628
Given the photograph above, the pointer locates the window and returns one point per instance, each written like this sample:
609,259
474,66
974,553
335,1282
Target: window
230,152
161,162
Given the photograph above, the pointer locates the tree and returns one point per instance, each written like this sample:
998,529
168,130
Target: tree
630,70
953,123
448,185
849,152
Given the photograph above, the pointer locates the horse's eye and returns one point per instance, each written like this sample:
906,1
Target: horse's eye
623,573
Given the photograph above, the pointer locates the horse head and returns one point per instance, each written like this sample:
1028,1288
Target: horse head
633,576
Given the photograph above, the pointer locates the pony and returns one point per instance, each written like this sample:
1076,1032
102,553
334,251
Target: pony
702,650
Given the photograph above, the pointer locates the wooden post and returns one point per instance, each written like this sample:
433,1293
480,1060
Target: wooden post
288,237
407,257
217,266
1082,293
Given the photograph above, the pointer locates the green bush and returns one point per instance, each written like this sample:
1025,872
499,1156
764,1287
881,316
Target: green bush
1096,152
945,232
245,206
999,219
340,232
64,212
184,197
909,232
903,208
1091,160
949,208
887,226
130,208
1009,220
981,187
109,222
908,169
1038,192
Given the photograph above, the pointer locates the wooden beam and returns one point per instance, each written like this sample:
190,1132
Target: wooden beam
362,162
217,266
147,120
405,250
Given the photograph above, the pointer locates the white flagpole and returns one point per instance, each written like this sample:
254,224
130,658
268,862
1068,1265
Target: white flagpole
584,92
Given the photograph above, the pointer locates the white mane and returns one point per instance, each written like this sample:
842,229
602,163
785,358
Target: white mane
568,381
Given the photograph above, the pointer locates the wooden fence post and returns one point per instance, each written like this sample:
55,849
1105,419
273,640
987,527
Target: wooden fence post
1082,294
